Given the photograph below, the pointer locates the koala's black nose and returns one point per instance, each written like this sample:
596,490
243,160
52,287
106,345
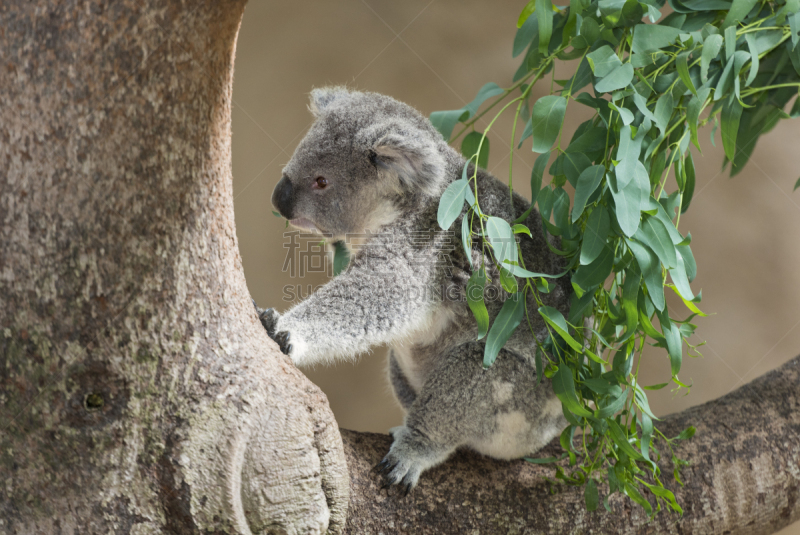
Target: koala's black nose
283,197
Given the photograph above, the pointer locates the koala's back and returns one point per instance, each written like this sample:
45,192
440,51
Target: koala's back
452,323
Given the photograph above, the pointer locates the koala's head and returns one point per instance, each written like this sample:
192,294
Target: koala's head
365,157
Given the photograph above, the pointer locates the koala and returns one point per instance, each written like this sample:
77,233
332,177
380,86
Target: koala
374,167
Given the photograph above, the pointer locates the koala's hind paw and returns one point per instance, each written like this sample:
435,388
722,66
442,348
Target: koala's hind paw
412,453
400,472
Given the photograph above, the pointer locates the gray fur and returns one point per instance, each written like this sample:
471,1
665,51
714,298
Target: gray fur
386,167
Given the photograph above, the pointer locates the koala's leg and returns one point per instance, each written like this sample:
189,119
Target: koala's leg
402,389
500,412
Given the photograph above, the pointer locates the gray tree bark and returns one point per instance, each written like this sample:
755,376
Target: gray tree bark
138,392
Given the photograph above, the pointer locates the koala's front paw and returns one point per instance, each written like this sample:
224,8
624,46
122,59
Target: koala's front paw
269,319
282,339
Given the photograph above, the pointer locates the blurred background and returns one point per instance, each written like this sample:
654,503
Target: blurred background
435,55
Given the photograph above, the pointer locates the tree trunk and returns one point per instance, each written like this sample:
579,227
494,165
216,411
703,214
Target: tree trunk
139,393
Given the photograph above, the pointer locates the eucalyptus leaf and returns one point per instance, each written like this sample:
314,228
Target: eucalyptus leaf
470,145
564,388
547,117
452,203
730,116
587,183
711,48
616,79
475,287
506,322
502,239
654,234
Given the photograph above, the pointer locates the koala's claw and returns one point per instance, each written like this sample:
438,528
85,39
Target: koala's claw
269,319
282,339
397,472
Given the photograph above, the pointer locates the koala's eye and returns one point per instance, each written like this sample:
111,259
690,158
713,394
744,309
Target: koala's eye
321,182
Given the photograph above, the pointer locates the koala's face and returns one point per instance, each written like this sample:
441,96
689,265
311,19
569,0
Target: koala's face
363,156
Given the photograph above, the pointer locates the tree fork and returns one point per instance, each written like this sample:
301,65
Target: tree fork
139,393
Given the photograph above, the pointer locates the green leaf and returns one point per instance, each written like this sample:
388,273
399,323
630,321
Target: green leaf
614,405
624,113
556,320
641,104
666,494
452,203
629,200
547,117
527,11
589,276
445,121
574,164
664,108
525,274
545,18
738,11
488,91
730,116
469,148
630,293
648,38
693,111
501,238
711,48
680,279
617,79
751,45
682,66
603,387
581,78
276,214
594,238
503,327
796,185
688,191
688,261
636,496
659,386
564,388
521,229
628,153
654,234
525,33
475,286
621,440
674,346
341,257
590,495
588,181
603,61
466,238
507,281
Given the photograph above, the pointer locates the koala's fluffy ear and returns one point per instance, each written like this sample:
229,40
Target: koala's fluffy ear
322,97
417,165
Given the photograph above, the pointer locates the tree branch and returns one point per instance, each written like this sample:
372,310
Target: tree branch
743,478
